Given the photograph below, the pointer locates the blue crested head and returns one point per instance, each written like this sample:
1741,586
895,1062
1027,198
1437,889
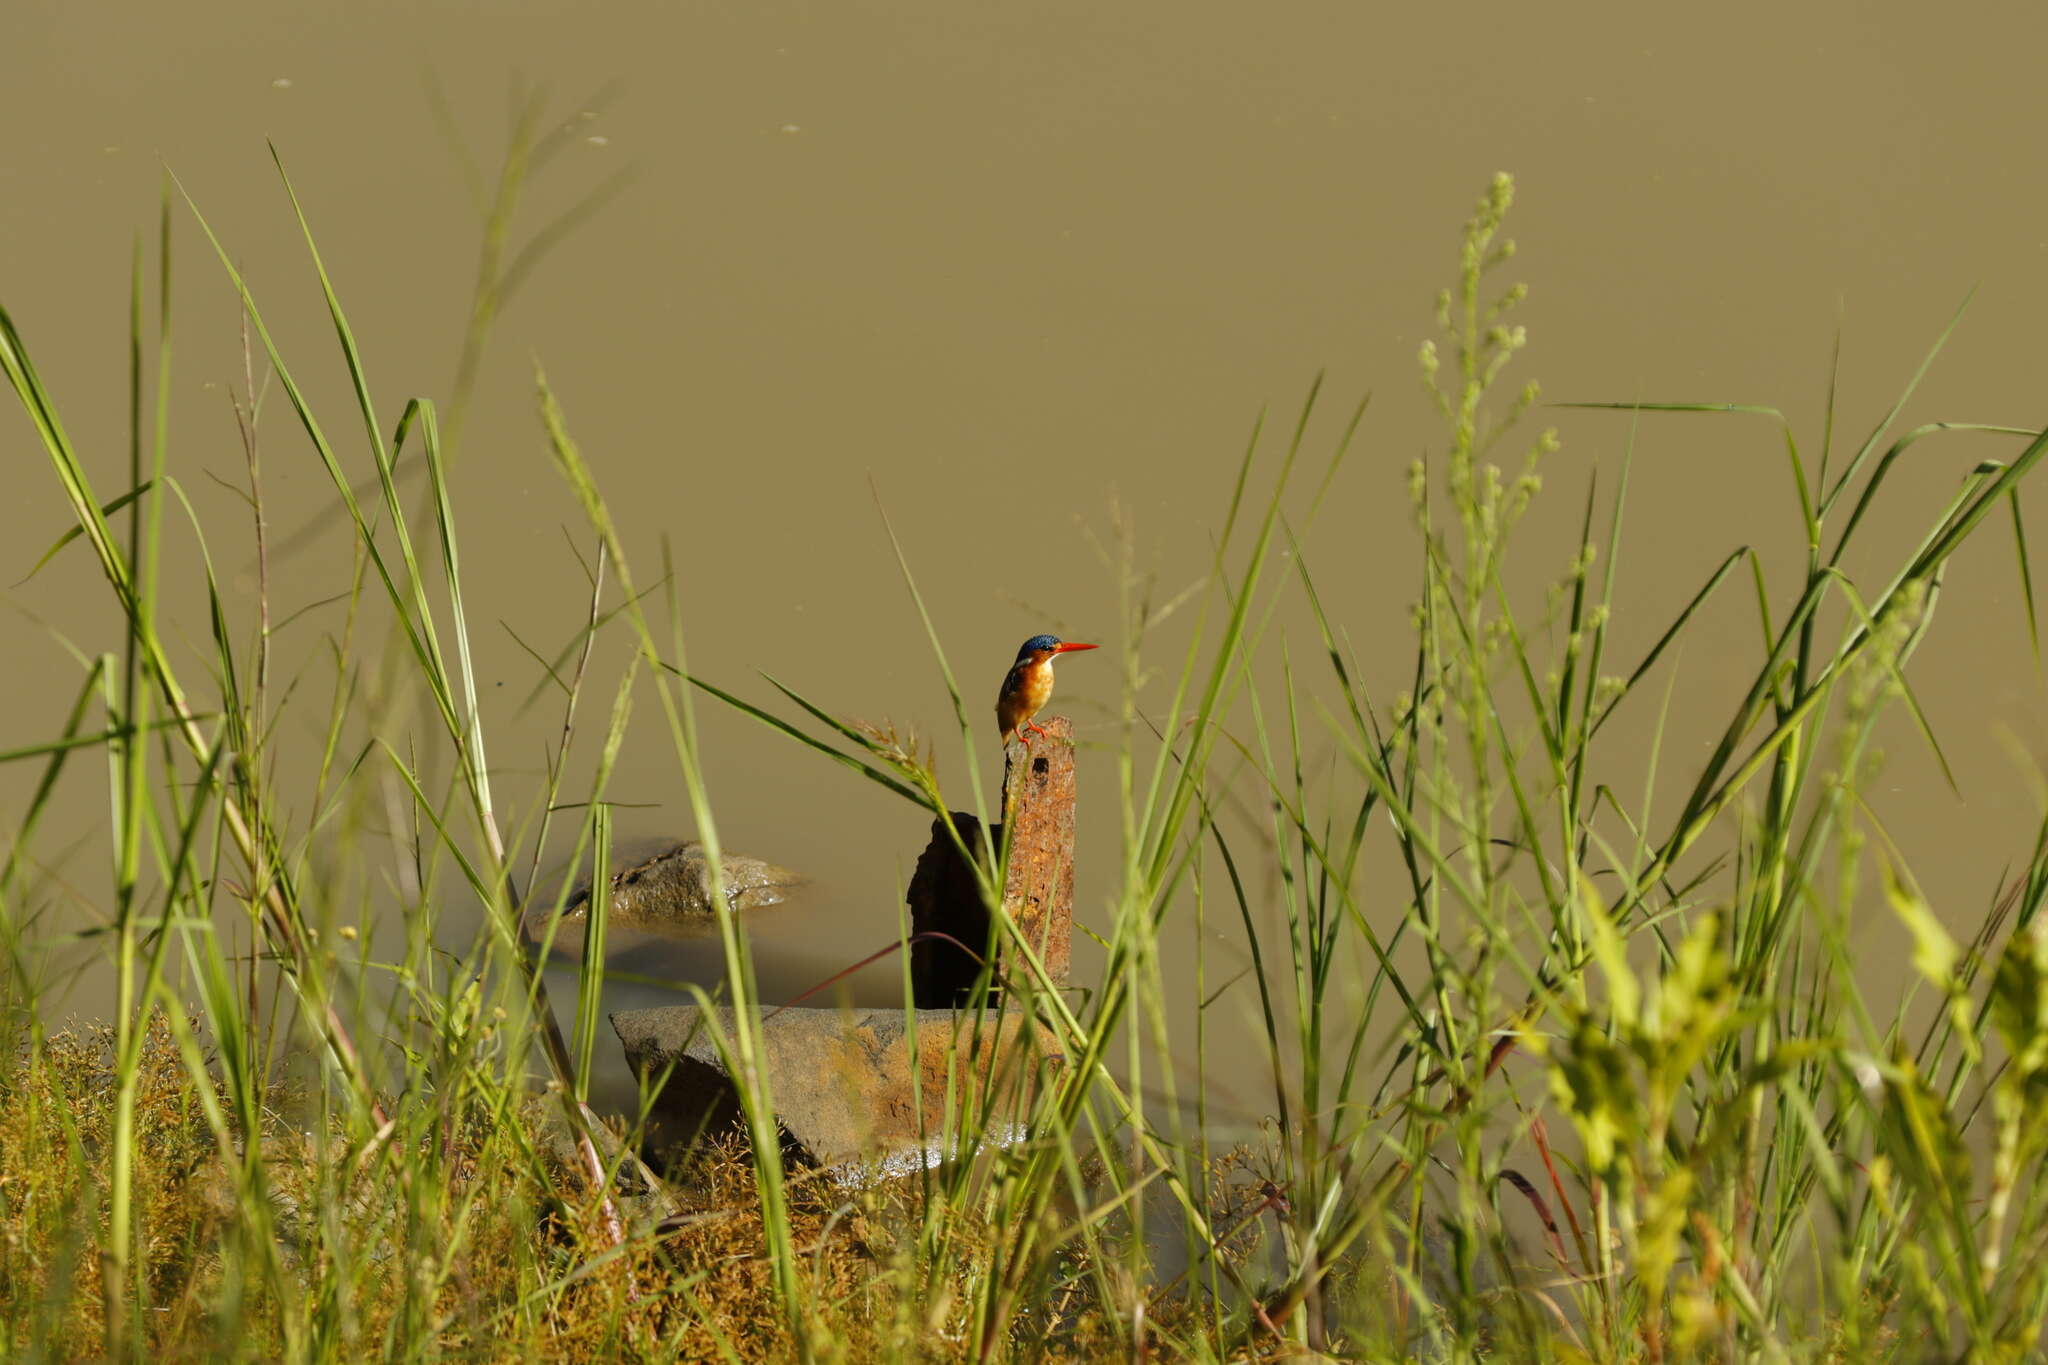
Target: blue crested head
1036,644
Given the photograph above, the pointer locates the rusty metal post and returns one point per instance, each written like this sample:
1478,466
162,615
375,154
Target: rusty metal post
1038,802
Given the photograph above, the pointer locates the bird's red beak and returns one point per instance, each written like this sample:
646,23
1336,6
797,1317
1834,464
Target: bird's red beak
1068,647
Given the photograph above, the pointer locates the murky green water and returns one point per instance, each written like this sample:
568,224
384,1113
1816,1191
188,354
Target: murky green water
1008,268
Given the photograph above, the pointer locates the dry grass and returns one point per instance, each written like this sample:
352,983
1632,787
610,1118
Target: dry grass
55,1118
527,1275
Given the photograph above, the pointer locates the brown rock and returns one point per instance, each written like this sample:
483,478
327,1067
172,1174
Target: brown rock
845,1087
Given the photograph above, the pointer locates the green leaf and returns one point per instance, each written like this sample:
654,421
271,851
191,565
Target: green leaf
1592,1081
1935,956
2019,998
1934,951
1624,992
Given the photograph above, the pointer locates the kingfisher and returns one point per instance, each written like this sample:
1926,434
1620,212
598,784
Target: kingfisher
1028,686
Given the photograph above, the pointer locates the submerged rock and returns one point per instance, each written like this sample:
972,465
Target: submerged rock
672,889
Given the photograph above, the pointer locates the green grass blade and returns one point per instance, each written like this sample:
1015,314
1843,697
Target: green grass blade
106,510
776,723
2019,537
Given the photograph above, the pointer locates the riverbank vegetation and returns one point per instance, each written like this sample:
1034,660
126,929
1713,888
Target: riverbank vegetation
1554,1070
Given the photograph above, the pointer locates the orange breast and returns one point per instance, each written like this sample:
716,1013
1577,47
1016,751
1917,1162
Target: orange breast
1027,688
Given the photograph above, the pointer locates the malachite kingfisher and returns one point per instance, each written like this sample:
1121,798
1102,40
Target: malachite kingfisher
1028,686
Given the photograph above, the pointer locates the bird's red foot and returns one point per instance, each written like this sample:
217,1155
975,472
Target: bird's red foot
1024,734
